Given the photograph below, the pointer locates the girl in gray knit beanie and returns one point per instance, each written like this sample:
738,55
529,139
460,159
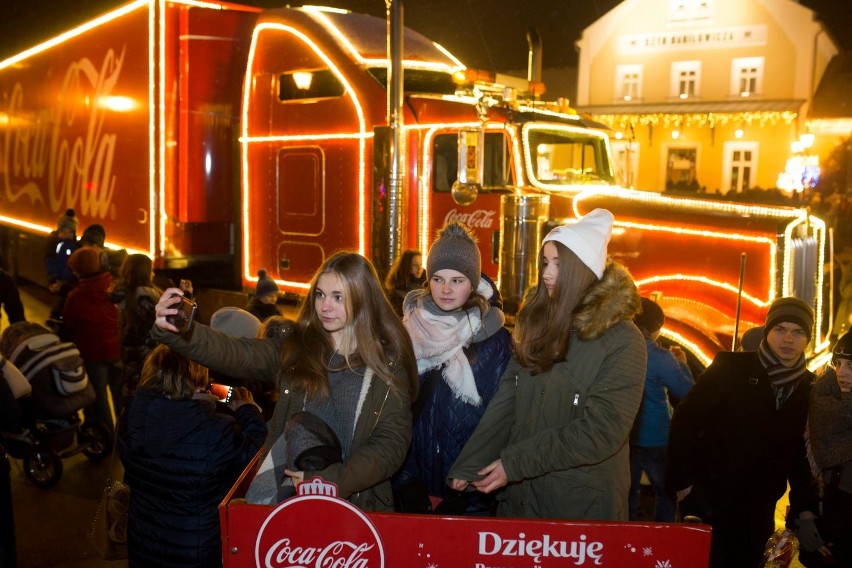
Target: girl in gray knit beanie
462,349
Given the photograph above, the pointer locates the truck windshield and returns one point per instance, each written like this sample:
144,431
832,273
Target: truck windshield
445,161
559,156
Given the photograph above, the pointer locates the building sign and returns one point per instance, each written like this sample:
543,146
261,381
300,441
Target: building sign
318,530
709,38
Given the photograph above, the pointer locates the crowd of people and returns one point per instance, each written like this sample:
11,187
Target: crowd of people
412,395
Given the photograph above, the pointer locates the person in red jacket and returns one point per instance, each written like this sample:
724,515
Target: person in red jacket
91,319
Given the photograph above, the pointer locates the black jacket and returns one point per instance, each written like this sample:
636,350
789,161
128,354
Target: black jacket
738,452
180,459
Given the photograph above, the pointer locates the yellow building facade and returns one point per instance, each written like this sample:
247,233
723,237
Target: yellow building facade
704,94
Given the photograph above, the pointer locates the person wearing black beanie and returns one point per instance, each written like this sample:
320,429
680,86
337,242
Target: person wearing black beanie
737,439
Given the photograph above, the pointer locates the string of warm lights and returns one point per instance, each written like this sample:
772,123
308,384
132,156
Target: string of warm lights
697,119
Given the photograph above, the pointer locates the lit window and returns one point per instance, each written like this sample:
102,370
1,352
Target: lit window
747,76
628,82
686,77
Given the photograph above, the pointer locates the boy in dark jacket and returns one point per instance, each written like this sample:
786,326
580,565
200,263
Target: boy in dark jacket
737,439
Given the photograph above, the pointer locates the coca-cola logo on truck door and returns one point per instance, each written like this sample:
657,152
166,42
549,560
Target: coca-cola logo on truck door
330,532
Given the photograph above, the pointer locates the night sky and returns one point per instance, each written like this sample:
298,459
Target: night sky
486,34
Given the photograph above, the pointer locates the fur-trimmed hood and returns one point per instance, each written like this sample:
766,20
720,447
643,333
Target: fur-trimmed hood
611,299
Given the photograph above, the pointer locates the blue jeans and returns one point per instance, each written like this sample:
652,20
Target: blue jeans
104,375
653,462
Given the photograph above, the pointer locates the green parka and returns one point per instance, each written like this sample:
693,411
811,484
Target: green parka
562,435
383,423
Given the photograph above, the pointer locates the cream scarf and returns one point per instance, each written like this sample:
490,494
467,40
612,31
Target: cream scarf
439,338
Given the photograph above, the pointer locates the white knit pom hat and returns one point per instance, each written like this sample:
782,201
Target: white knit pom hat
587,238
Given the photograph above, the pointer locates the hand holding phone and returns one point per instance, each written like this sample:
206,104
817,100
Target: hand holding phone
183,319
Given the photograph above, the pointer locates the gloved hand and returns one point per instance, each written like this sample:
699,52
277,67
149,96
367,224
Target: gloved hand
808,534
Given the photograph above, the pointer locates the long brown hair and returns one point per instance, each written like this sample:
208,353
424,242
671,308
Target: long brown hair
544,323
376,332
400,276
169,373
135,273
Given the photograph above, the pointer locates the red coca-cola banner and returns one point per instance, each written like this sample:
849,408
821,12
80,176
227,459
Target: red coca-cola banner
318,530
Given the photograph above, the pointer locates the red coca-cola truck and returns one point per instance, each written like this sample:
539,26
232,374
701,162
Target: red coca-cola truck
221,139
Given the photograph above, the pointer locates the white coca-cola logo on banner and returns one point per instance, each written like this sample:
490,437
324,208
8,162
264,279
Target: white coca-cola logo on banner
351,541
477,219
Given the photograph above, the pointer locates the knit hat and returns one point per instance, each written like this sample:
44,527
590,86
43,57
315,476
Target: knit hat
85,261
265,284
235,322
94,235
455,249
751,338
843,347
791,310
67,221
651,318
587,238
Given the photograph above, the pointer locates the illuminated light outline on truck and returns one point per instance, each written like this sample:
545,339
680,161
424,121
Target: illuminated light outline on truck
703,280
62,38
245,140
795,216
561,188
318,14
424,238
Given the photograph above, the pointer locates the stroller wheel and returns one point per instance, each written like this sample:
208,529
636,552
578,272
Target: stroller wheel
98,438
42,466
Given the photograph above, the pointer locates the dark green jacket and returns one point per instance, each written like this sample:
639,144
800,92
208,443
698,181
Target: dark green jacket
562,435
383,424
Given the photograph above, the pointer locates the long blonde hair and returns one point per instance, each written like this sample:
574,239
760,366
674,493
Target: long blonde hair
373,331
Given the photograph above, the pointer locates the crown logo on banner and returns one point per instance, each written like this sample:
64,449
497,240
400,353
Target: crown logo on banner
317,486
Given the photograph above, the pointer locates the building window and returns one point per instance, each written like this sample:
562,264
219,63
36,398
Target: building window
626,155
685,10
682,168
686,78
740,166
747,76
628,82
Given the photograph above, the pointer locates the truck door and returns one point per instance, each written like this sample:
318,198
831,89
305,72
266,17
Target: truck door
483,215
303,150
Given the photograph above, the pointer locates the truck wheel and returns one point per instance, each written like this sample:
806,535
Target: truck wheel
42,466
98,439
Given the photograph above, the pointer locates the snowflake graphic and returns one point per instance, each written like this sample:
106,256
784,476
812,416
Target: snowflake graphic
433,565
647,551
663,564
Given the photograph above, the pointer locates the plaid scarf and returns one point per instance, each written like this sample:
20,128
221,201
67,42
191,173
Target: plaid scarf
783,379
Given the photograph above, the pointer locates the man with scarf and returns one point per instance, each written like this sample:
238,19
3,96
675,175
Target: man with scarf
826,541
737,438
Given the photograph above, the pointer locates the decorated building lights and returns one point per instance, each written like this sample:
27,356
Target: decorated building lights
697,120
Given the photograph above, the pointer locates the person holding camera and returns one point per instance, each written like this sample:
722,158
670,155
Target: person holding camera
181,457
347,359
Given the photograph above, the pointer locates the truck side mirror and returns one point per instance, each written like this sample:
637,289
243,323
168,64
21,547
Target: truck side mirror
471,160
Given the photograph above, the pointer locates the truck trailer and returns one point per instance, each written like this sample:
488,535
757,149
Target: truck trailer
222,139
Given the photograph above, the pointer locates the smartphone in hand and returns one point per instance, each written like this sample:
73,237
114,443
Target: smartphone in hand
185,316
223,392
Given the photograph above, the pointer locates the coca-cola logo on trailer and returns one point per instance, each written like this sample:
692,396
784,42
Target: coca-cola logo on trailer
350,541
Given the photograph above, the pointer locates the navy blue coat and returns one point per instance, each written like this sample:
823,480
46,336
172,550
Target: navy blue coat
180,459
445,422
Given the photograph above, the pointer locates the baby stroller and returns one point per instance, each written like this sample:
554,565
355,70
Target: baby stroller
50,428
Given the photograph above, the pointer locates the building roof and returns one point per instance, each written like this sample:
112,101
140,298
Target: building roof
697,107
832,98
